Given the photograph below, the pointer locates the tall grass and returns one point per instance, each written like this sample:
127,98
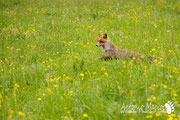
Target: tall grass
50,66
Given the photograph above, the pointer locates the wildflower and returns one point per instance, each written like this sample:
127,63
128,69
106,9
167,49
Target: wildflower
94,73
170,76
55,86
82,74
85,115
106,73
165,86
65,108
149,99
129,111
134,58
71,92
122,91
1,85
152,89
21,114
75,57
16,85
39,99
157,114
154,98
153,49
58,78
155,39
43,94
149,116
66,117
176,102
124,62
103,69
145,66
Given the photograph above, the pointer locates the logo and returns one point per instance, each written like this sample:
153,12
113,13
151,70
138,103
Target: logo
169,107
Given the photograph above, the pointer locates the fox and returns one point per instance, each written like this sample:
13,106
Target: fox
112,51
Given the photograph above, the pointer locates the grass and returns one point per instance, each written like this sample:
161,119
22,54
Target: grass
50,66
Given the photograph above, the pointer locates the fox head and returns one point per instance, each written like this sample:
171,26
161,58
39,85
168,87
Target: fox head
103,39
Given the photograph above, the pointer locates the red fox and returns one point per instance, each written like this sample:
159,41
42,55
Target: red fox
113,52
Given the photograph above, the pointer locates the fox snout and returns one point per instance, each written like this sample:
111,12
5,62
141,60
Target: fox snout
97,45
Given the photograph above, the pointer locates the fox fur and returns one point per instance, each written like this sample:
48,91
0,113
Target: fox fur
111,51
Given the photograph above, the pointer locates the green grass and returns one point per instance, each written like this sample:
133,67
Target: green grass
50,66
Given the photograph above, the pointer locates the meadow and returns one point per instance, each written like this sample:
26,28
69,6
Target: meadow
50,67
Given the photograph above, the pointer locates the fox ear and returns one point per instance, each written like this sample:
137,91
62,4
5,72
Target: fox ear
105,36
99,35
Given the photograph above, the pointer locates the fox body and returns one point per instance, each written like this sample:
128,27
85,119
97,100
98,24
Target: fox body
113,52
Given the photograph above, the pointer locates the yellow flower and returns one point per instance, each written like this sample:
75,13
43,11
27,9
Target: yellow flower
134,58
1,85
106,73
21,114
94,73
170,76
85,115
65,108
153,49
176,102
66,117
16,85
157,114
165,86
149,99
149,116
43,94
103,69
55,86
82,74
58,78
71,92
122,91
68,112
152,89
39,99
129,111
154,98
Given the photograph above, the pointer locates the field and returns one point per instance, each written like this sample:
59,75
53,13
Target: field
50,67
